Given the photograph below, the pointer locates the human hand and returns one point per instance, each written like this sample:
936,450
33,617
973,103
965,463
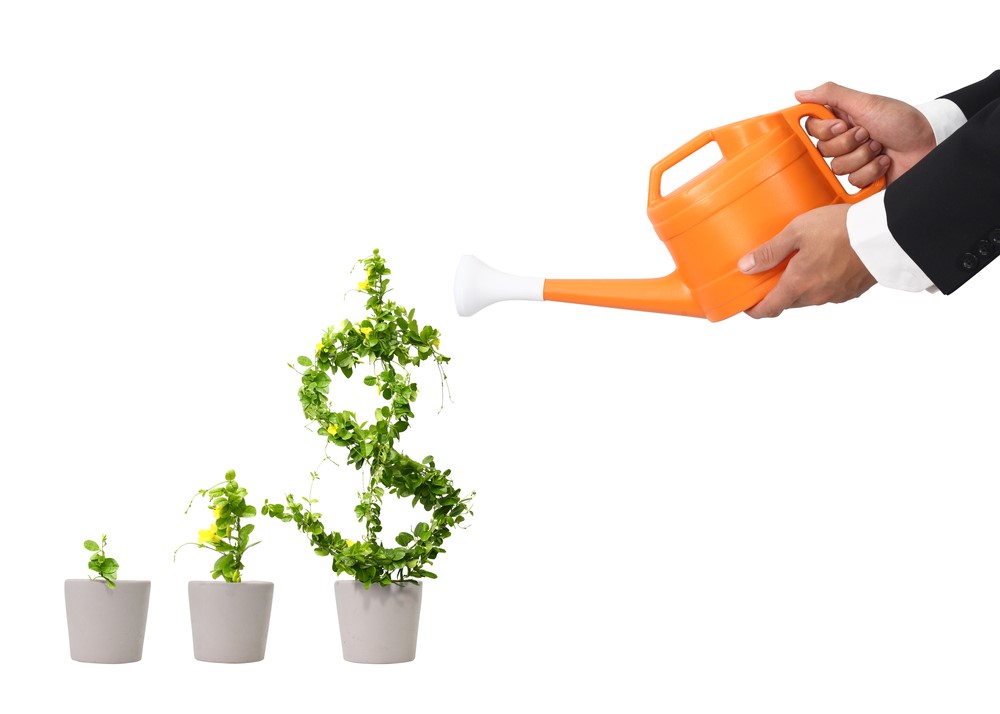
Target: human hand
824,267
871,135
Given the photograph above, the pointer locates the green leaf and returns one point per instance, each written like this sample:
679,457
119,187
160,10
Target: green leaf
404,539
91,545
304,361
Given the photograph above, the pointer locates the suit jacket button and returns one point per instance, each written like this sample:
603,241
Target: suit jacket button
969,261
984,248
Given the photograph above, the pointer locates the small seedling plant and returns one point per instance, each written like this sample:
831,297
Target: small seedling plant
105,566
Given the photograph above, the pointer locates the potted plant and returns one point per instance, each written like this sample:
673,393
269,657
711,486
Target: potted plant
229,619
378,611
106,616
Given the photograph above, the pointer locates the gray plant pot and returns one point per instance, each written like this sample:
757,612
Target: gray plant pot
378,625
229,621
106,626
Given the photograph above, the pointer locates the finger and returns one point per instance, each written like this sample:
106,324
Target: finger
870,172
845,143
770,254
781,297
825,129
834,96
861,156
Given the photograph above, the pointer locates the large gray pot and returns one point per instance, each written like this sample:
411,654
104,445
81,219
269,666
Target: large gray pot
378,625
106,626
229,621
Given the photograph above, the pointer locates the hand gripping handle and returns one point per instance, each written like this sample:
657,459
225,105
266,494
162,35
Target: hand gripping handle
794,116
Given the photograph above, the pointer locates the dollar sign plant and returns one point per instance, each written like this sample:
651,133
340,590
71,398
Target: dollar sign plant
390,342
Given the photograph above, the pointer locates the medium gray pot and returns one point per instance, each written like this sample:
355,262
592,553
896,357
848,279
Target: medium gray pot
106,626
229,621
378,625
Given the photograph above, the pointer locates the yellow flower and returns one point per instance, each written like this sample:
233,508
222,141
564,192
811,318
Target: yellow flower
365,331
319,347
363,285
217,511
332,429
436,343
209,535
349,542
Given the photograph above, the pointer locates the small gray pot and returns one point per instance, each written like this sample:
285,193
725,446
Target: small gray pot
378,625
106,626
229,620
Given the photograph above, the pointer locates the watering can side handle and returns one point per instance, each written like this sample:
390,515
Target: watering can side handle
794,116
672,159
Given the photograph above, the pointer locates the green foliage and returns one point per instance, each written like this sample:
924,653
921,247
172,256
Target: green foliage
105,567
388,339
227,535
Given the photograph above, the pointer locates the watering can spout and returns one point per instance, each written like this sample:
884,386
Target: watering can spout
667,295
477,285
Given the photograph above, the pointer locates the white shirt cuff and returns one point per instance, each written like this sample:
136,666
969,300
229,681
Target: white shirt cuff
944,117
870,238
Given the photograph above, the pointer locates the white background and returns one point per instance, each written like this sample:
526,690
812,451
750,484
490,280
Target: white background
796,515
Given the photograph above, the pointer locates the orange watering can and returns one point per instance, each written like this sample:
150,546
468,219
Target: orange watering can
769,173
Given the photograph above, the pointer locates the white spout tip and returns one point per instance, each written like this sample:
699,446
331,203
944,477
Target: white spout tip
478,285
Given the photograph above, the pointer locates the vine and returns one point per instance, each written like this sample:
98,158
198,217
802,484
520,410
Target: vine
390,341
227,535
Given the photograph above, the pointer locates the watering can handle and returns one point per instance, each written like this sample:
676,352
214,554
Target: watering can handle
672,159
794,116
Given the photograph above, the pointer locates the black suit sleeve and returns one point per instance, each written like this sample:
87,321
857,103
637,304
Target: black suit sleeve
976,96
945,211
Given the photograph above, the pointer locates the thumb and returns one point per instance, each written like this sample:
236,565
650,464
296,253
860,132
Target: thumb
768,255
833,95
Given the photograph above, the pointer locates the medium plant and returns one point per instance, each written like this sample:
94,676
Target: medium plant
227,535
105,567
390,341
